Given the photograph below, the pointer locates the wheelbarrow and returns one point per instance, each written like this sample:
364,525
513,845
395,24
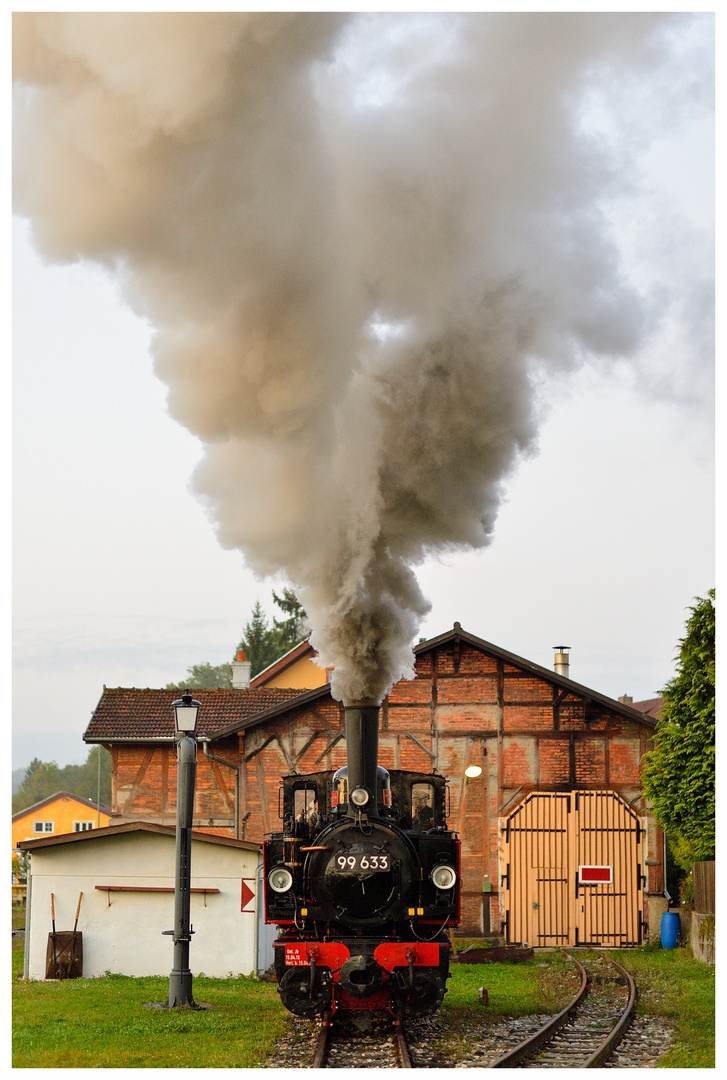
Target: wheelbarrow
64,955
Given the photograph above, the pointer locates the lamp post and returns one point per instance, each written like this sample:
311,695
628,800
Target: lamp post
186,711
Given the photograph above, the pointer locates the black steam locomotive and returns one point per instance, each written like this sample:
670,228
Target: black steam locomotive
363,883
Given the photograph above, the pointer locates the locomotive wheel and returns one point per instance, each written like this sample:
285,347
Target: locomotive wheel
295,990
361,976
425,996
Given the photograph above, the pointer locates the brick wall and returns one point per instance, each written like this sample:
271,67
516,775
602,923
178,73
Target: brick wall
463,706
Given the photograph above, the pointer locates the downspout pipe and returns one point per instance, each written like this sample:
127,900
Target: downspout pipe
204,740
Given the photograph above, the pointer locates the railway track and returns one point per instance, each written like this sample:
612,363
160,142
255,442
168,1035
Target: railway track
340,1044
587,1031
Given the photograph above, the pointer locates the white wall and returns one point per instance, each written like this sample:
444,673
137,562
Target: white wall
125,935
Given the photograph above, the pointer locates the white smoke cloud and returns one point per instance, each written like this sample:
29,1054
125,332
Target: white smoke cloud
361,240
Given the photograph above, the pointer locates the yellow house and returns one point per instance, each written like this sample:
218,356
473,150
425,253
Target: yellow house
59,813
297,670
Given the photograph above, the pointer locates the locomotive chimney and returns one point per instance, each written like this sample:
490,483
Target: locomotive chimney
362,746
561,660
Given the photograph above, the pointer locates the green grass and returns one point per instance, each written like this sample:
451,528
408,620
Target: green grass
670,982
102,1023
542,985
673,984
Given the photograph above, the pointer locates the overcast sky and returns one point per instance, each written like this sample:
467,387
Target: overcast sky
605,537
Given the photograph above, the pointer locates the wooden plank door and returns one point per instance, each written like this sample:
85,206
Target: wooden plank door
608,839
570,870
536,878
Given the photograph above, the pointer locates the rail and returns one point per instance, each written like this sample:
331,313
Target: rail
572,1038
337,1046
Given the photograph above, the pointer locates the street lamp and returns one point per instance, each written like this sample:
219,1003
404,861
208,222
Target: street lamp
186,713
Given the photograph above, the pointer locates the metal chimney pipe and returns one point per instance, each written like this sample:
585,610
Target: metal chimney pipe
561,660
362,744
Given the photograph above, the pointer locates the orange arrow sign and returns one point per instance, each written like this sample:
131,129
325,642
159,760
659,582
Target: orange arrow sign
247,895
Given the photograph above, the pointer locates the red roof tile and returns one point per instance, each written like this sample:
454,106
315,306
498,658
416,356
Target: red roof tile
652,707
129,714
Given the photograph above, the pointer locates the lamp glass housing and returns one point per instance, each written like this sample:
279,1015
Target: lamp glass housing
444,877
186,712
280,879
473,770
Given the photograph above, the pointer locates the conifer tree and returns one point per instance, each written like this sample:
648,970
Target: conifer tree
679,774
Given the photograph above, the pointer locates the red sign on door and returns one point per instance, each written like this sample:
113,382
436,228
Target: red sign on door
595,875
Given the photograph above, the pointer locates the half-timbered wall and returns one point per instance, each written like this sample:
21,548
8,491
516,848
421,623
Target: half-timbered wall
464,707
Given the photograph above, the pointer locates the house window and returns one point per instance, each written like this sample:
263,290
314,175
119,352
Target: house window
42,826
82,826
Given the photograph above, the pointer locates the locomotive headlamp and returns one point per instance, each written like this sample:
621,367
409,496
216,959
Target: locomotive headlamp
444,877
280,879
359,796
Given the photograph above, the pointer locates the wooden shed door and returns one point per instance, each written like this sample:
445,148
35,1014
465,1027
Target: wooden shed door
570,870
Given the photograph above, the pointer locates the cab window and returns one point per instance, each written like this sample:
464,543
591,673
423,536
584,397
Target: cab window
305,805
422,805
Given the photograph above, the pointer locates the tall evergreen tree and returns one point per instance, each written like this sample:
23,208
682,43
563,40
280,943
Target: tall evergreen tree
44,778
679,774
292,630
260,641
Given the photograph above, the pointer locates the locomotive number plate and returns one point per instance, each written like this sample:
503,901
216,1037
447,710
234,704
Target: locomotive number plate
354,864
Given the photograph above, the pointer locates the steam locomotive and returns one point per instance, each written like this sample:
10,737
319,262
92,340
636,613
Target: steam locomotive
363,883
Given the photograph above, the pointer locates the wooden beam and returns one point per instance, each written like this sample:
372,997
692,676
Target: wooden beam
138,779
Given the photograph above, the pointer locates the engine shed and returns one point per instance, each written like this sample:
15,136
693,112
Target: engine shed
556,790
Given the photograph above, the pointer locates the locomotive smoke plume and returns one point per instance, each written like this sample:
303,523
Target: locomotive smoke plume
361,240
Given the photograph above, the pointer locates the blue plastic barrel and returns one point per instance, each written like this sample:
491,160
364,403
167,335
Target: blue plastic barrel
670,930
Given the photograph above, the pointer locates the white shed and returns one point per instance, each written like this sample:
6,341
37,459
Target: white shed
126,875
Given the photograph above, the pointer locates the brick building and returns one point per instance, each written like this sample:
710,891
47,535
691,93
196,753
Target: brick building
531,730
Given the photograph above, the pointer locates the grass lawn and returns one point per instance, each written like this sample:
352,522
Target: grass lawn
102,1023
671,983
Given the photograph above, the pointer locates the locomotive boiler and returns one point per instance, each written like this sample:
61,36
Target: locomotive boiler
363,883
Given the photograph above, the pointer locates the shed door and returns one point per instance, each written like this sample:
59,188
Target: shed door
570,870
608,835
537,870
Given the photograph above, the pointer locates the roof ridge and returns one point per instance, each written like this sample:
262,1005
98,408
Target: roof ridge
58,795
